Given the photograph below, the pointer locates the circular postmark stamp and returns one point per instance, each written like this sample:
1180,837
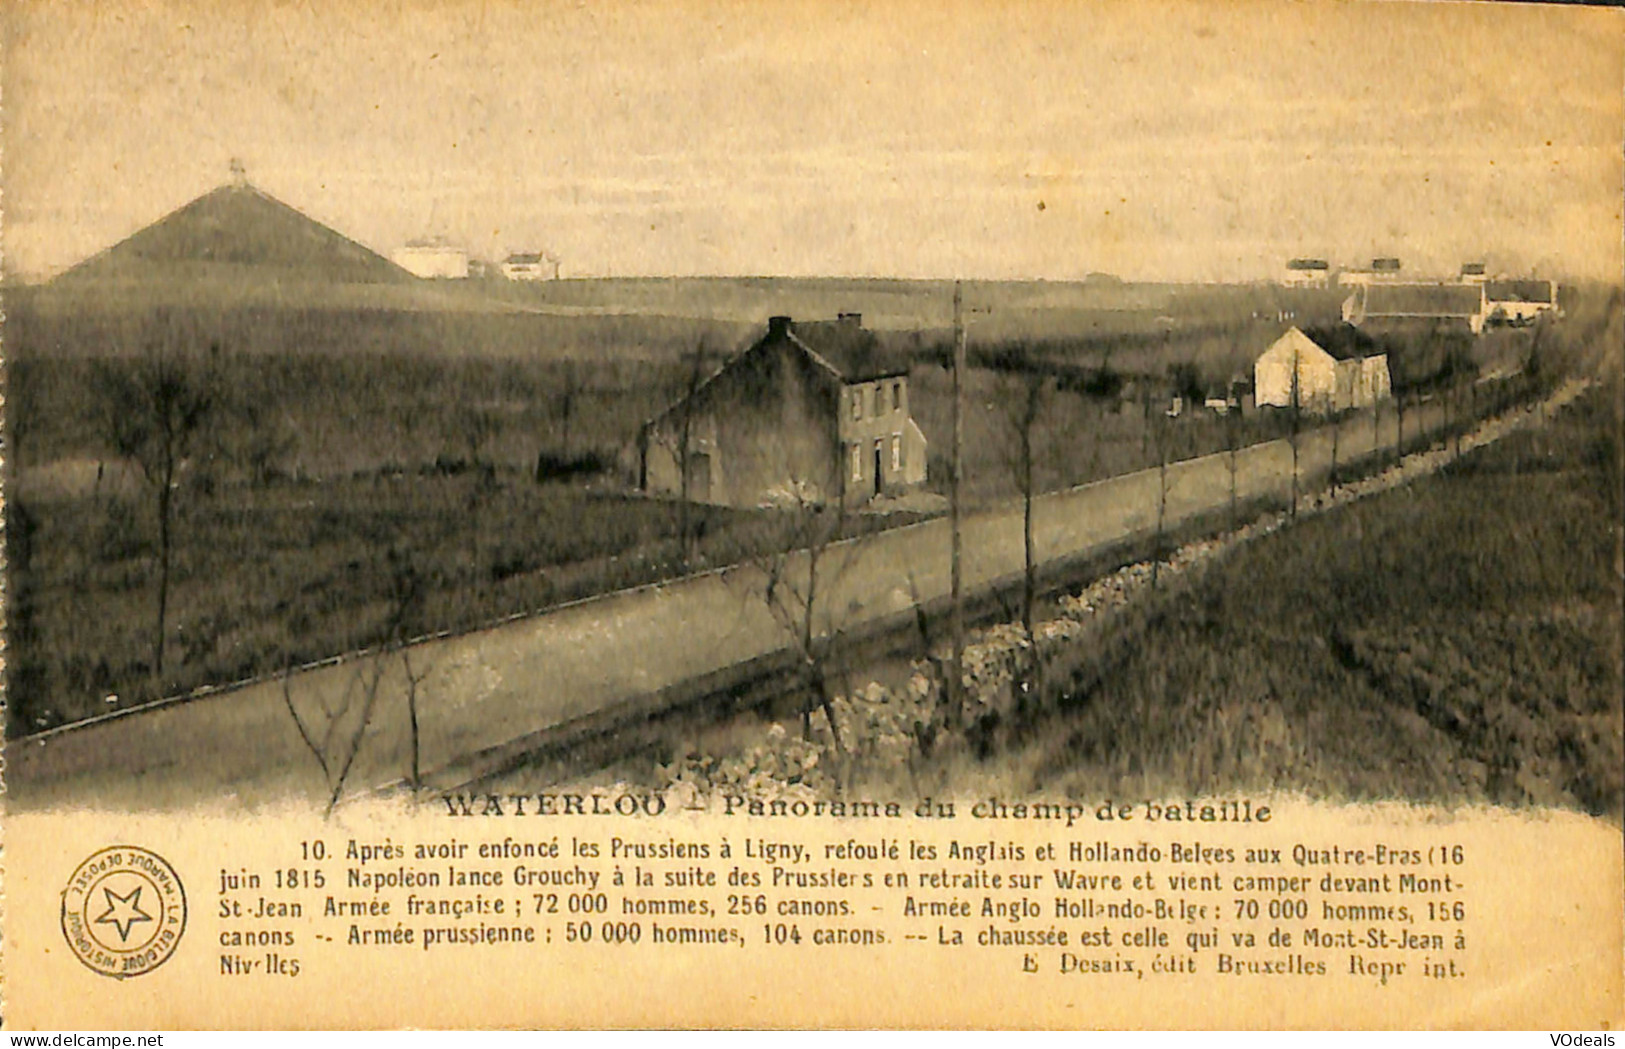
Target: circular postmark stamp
123,911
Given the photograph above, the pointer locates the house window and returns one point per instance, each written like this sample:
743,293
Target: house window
857,403
857,462
896,396
896,452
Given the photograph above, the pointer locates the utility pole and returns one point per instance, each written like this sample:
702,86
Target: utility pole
1376,428
1230,444
1296,408
1455,413
956,619
1336,425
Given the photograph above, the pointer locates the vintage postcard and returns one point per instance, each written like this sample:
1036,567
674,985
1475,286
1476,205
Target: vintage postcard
797,514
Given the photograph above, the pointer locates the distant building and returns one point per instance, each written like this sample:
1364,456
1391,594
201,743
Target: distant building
1473,273
1380,270
1235,395
1307,273
1411,307
530,265
1518,302
1337,369
810,412
432,260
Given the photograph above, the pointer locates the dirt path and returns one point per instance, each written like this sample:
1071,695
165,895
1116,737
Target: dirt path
483,689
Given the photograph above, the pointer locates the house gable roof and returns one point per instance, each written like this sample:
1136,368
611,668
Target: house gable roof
1343,341
1294,342
841,349
846,348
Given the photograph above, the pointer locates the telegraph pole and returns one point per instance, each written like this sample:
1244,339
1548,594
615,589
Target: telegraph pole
1297,395
956,619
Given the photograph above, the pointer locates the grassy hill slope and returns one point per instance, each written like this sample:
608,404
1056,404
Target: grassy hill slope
1457,640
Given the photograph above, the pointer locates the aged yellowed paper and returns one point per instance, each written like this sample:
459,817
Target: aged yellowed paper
803,515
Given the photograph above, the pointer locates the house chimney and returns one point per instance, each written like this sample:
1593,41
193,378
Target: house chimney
778,325
854,320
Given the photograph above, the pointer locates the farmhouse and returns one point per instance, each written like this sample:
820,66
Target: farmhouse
1414,307
1307,273
1382,270
1338,369
431,259
1518,302
809,412
530,265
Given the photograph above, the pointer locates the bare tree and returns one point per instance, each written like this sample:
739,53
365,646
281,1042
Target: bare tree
413,680
685,446
334,732
798,575
1161,438
264,442
1399,427
567,403
1101,387
1146,421
1024,406
956,615
405,599
154,413
474,427
1455,414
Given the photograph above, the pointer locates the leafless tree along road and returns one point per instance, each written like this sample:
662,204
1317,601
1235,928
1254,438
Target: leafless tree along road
487,688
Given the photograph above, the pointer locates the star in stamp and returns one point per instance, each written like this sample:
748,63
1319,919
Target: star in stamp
123,911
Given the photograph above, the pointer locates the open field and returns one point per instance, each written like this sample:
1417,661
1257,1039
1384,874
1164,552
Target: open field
319,466
293,559
1454,641
289,573
496,688
1000,309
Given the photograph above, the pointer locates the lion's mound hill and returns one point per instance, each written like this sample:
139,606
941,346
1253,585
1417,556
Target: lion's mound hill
237,231
239,247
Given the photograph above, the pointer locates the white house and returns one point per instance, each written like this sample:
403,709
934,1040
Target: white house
432,260
1380,270
1518,301
1307,273
530,265
1338,371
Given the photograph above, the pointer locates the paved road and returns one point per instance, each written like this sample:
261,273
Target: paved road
485,689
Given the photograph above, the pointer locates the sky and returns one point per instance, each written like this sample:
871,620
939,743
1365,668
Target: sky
1195,140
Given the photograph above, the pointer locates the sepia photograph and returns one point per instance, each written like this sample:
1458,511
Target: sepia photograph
1017,422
